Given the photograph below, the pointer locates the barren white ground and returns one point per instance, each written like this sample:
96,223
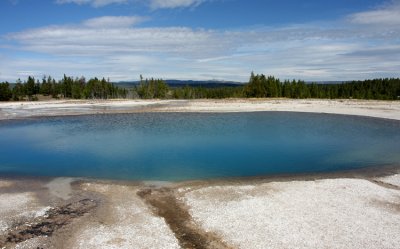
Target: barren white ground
372,108
130,225
123,222
335,213
16,208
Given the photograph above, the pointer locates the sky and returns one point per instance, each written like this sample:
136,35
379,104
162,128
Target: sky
313,40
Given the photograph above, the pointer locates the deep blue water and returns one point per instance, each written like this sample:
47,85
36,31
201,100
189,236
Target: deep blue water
181,146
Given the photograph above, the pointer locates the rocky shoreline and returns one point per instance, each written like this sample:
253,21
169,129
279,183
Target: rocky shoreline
201,214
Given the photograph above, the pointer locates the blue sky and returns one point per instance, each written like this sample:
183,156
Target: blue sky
200,39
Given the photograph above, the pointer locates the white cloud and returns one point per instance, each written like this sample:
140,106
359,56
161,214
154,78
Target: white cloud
170,4
386,15
87,40
153,4
114,47
94,3
114,21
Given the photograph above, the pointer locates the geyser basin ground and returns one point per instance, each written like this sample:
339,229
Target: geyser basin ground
351,210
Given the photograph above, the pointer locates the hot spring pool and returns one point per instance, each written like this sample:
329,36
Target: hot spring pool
183,146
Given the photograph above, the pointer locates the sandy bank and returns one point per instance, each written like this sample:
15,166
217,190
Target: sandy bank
353,211
372,108
332,213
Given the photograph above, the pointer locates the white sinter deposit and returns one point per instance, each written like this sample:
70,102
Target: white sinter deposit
372,108
128,223
16,208
392,180
336,213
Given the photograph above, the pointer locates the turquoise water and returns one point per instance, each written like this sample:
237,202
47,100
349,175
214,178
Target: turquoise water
182,146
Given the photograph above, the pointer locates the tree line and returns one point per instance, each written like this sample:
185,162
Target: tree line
259,86
67,87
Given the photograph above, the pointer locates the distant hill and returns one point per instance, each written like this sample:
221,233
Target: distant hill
327,82
181,83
